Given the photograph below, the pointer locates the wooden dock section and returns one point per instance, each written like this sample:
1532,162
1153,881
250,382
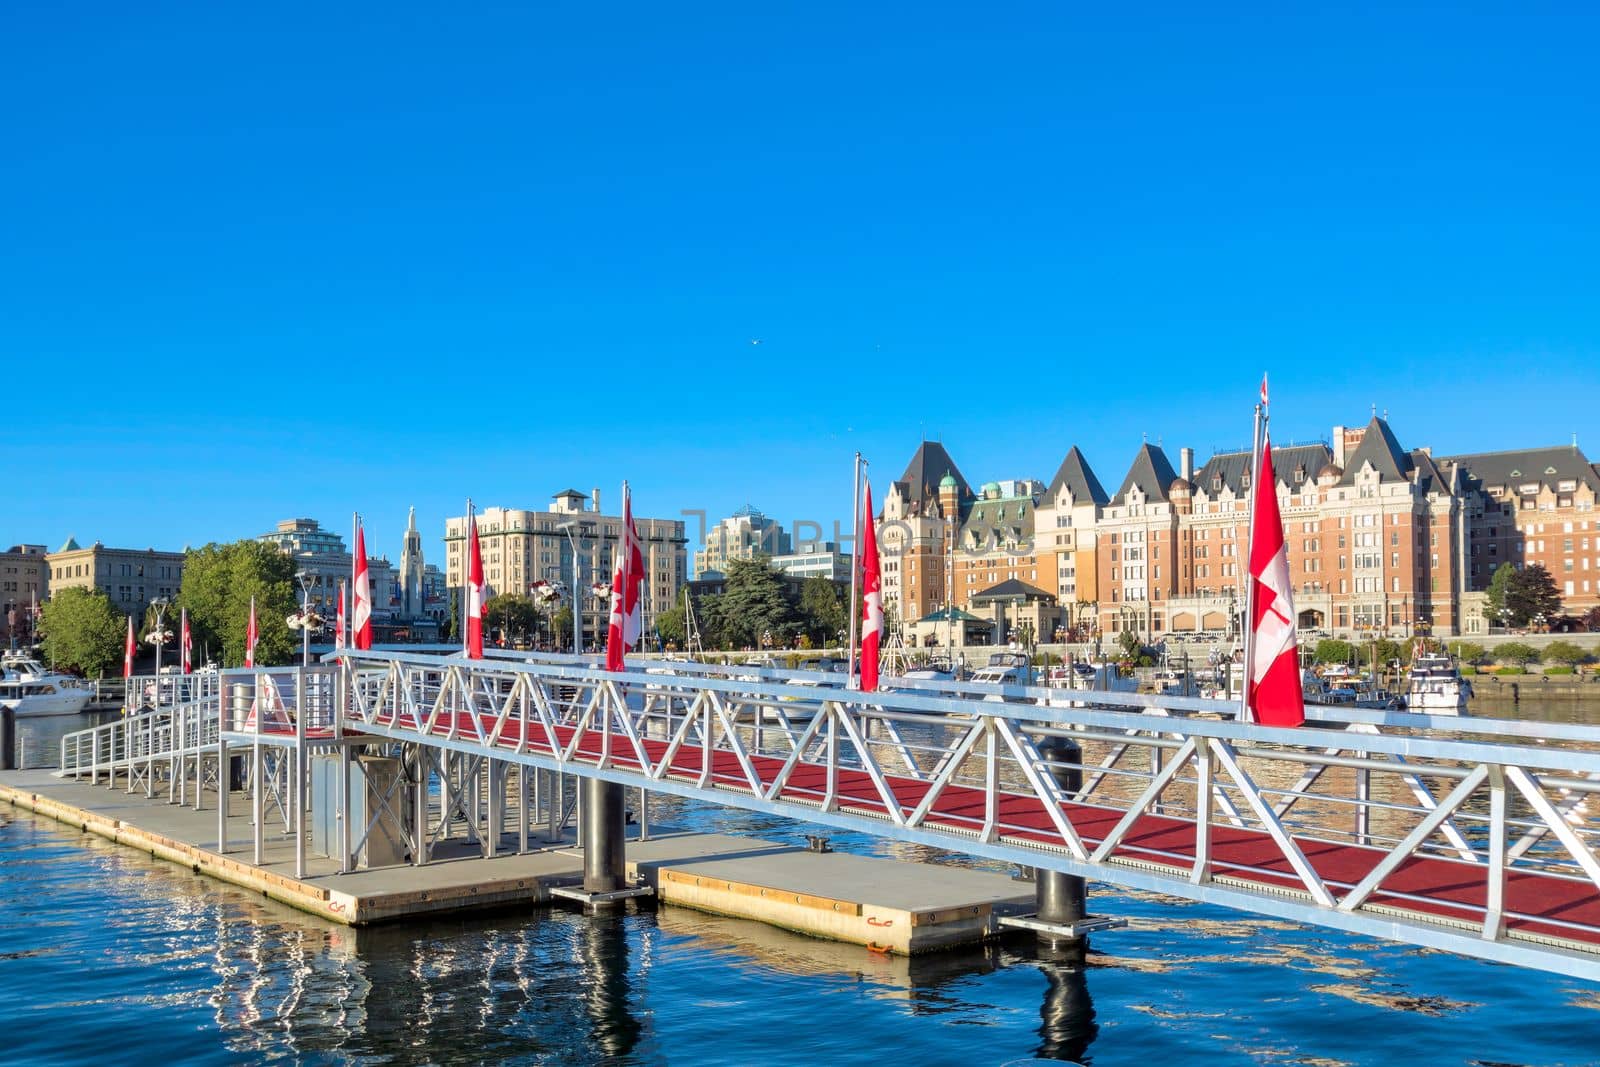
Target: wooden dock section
894,906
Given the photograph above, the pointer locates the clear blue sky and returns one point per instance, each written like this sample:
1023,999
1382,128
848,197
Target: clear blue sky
299,261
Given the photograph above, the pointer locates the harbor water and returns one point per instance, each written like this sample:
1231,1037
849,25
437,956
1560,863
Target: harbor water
107,954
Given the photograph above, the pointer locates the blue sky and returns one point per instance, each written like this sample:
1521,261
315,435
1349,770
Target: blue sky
262,263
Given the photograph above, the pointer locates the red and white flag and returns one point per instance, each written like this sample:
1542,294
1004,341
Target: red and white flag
627,607
871,600
250,636
338,622
475,590
186,642
361,621
127,651
1273,692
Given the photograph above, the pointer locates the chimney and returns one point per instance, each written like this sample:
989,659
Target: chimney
1186,463
1338,446
595,492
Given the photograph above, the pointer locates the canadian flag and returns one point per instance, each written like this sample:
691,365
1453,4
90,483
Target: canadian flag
127,651
361,623
250,636
871,599
475,592
1273,694
186,642
338,622
627,610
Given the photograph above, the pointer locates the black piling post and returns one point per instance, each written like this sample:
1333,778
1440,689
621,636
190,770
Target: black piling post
1061,898
8,739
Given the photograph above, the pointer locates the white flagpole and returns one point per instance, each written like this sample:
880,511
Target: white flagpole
1247,622
350,608
855,577
466,585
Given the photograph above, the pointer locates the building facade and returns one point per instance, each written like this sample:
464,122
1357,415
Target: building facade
1383,540
572,543
813,559
323,556
130,577
24,585
745,534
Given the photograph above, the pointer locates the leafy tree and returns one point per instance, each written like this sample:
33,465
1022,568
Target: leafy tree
822,611
1466,651
1564,652
561,627
1387,651
452,628
754,602
1530,592
218,584
673,627
513,614
1496,594
1332,650
82,631
1517,654
1128,643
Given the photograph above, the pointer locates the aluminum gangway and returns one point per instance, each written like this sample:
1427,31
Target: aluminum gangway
1474,836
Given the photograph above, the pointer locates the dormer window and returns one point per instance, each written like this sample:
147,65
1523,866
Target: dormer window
1216,483
1299,475
1244,482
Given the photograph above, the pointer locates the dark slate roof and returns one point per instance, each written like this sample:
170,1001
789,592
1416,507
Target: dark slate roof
1151,471
1524,465
570,492
1079,480
1231,468
1379,448
1011,589
1429,477
927,467
997,523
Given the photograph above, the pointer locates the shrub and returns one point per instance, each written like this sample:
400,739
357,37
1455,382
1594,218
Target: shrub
1516,653
1466,651
1558,669
1565,653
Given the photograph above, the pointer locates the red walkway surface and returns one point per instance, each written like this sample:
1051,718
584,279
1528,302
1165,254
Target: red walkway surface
1536,904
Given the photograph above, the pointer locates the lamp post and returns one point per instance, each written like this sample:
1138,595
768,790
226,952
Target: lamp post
158,637
307,619
577,584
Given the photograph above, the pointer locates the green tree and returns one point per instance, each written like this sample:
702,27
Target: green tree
452,628
1331,650
1565,653
513,615
755,601
1495,601
82,631
218,584
1387,652
822,613
1531,592
1517,654
561,627
672,625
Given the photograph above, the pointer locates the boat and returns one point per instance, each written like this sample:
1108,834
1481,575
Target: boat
1005,668
935,670
1434,686
31,690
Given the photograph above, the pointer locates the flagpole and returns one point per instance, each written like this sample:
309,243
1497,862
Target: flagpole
466,586
855,576
350,609
1248,621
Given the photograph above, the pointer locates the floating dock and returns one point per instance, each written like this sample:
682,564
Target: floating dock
900,907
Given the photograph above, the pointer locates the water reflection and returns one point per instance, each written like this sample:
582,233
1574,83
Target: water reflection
1067,1025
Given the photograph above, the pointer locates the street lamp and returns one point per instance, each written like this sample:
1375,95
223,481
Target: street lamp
307,619
577,584
158,637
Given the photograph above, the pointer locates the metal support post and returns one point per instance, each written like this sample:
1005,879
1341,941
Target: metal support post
1061,898
257,815
8,742
222,790
603,836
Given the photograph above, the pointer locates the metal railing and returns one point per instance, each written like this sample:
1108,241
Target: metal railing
1360,823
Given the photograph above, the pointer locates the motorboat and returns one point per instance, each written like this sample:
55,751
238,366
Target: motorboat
30,689
935,670
1005,668
1434,686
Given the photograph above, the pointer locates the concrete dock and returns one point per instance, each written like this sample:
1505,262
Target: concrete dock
890,906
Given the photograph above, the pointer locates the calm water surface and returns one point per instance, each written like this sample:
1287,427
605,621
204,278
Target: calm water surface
108,956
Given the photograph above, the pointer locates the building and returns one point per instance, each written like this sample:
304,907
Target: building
1533,505
1016,611
24,585
571,543
743,535
815,559
323,556
922,514
130,577
1382,540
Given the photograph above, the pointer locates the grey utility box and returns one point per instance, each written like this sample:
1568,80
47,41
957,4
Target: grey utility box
375,788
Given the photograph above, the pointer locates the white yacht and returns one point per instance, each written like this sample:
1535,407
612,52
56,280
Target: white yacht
1435,686
30,689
